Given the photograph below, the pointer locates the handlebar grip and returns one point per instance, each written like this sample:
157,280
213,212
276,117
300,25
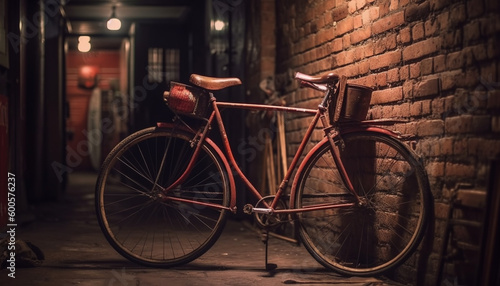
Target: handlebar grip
313,85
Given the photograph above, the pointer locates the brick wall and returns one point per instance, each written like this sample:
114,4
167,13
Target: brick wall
433,62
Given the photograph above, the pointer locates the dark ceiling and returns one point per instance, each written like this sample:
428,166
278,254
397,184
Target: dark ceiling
89,17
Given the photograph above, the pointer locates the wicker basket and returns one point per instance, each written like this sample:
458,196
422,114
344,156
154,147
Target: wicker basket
356,103
187,100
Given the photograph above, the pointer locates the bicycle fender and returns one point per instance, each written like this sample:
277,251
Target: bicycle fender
232,186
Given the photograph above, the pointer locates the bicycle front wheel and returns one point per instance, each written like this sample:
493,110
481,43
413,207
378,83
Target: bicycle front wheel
381,230
135,219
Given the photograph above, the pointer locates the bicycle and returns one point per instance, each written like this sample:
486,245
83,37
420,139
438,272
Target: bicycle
360,197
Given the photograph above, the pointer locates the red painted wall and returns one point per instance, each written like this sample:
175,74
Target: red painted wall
108,64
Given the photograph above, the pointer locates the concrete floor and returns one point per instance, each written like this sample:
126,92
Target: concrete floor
76,253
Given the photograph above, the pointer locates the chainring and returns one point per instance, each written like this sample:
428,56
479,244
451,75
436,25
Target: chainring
268,221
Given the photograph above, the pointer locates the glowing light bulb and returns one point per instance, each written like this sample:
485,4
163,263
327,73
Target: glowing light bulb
219,25
84,44
114,24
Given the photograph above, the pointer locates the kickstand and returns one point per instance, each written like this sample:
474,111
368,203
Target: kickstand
265,239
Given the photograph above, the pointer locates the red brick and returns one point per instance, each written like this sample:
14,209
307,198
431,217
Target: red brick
344,58
403,3
446,145
429,148
346,41
352,6
404,72
435,169
394,5
365,17
454,60
361,34
360,4
385,60
417,31
426,107
431,27
358,21
420,49
344,26
393,75
426,66
388,22
460,147
391,41
470,79
401,110
451,39
324,35
416,12
367,49
408,89
404,35
362,52
439,63
437,106
330,4
430,128
416,108
364,66
459,170
387,95
415,70
348,71
337,45
458,124
374,13
449,79
340,12
368,80
381,79
379,45
457,15
427,87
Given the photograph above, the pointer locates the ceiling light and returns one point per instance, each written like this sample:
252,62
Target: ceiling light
113,22
84,44
219,25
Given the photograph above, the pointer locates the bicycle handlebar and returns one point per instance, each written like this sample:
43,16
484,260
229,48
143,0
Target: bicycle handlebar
325,83
320,87
326,78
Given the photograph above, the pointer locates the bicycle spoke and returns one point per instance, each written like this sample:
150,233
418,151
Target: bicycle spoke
134,218
382,229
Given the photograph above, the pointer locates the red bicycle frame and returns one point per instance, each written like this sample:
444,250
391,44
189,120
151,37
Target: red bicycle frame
229,160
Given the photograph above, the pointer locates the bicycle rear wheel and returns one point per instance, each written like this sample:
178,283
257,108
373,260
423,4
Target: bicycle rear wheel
137,222
386,227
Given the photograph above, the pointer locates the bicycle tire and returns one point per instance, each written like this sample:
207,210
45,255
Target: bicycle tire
379,234
134,219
